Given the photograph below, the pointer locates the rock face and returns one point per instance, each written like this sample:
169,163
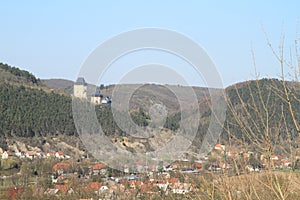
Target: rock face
69,146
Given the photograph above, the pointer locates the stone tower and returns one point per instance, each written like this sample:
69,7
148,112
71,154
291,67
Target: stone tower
80,88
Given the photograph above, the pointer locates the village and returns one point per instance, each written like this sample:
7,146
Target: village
66,176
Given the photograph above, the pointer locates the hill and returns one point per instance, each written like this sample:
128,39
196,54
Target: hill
265,114
65,86
58,84
14,75
257,110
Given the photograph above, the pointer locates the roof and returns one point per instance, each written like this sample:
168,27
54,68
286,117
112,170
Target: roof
94,185
97,95
198,165
135,183
60,153
13,191
59,166
219,146
62,188
285,161
98,166
173,180
80,81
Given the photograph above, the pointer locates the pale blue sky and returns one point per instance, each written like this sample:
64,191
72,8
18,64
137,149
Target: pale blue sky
52,39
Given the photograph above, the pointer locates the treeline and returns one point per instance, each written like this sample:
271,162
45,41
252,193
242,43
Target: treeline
21,74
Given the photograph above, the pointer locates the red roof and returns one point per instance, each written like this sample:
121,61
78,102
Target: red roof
246,155
173,180
219,146
62,188
60,153
94,186
60,166
135,183
13,191
285,161
98,166
198,166
143,187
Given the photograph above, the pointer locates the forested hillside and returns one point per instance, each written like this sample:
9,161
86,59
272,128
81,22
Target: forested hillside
28,112
264,112
14,75
256,109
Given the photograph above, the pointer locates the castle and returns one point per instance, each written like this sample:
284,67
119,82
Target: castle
80,88
80,91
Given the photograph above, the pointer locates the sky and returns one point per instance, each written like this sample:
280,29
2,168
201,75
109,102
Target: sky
52,39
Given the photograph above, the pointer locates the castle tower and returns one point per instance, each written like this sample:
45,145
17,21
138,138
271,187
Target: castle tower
80,88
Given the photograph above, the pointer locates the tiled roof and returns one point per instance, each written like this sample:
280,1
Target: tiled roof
94,185
80,81
98,166
59,166
62,188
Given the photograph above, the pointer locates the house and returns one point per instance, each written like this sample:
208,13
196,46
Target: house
59,189
173,180
135,184
50,154
99,99
62,188
246,155
51,191
285,162
232,154
13,192
214,167
6,155
59,155
106,101
94,186
30,155
219,147
274,157
163,186
98,169
102,189
96,98
40,155
181,188
249,168
21,154
198,165
59,168
225,165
